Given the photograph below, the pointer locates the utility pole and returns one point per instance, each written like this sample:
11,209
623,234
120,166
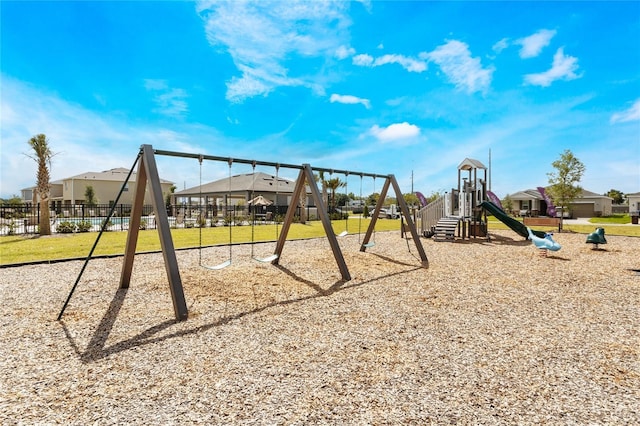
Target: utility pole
489,170
412,181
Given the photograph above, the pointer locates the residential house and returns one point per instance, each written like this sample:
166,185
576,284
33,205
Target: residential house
530,202
238,190
634,203
106,186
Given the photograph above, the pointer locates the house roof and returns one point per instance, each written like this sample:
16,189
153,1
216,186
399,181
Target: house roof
526,194
256,182
119,174
529,194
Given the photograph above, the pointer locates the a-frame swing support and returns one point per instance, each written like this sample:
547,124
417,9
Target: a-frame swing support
306,176
404,209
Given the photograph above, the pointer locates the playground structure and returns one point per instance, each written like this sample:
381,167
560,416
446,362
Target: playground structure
463,211
148,179
459,212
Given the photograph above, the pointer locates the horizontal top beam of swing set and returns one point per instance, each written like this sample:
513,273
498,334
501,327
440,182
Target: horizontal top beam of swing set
230,160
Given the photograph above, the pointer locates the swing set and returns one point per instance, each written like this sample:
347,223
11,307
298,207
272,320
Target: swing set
147,177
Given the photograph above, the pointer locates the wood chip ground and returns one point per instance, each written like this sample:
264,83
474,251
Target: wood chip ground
490,333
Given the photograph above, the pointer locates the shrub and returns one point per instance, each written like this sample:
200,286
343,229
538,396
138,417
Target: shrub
11,227
106,224
66,227
143,225
339,216
84,226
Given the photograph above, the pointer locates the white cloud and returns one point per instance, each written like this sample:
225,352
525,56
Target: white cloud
465,72
395,132
170,101
410,64
344,52
631,114
262,36
501,45
563,68
155,84
533,44
363,60
349,99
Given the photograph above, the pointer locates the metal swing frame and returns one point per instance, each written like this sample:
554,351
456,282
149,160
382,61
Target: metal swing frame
148,178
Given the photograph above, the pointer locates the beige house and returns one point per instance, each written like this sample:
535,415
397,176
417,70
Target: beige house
531,203
106,186
634,203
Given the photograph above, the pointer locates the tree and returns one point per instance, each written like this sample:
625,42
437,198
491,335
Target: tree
372,199
332,185
43,155
507,204
564,181
167,199
342,199
618,196
90,196
411,199
302,201
14,201
320,178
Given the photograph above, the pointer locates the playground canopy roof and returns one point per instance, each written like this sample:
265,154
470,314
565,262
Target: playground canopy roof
470,163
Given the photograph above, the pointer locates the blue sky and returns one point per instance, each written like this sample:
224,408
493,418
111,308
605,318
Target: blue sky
408,88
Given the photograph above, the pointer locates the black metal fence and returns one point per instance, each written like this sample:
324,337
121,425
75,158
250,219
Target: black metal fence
25,218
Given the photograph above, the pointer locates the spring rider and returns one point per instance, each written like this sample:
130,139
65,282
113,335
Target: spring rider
596,237
544,244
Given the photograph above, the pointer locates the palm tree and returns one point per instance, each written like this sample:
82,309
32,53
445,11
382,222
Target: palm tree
303,203
333,184
324,187
43,155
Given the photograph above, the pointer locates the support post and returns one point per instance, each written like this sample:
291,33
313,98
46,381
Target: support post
148,173
410,224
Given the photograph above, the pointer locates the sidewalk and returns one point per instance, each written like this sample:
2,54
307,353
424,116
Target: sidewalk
585,221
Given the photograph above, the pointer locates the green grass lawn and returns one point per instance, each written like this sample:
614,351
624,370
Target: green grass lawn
629,231
620,219
33,248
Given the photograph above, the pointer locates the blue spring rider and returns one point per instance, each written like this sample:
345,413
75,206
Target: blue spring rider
544,244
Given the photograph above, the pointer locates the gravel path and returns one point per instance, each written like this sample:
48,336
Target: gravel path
490,333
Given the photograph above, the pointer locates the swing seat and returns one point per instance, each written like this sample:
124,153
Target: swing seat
369,245
267,259
343,234
218,267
